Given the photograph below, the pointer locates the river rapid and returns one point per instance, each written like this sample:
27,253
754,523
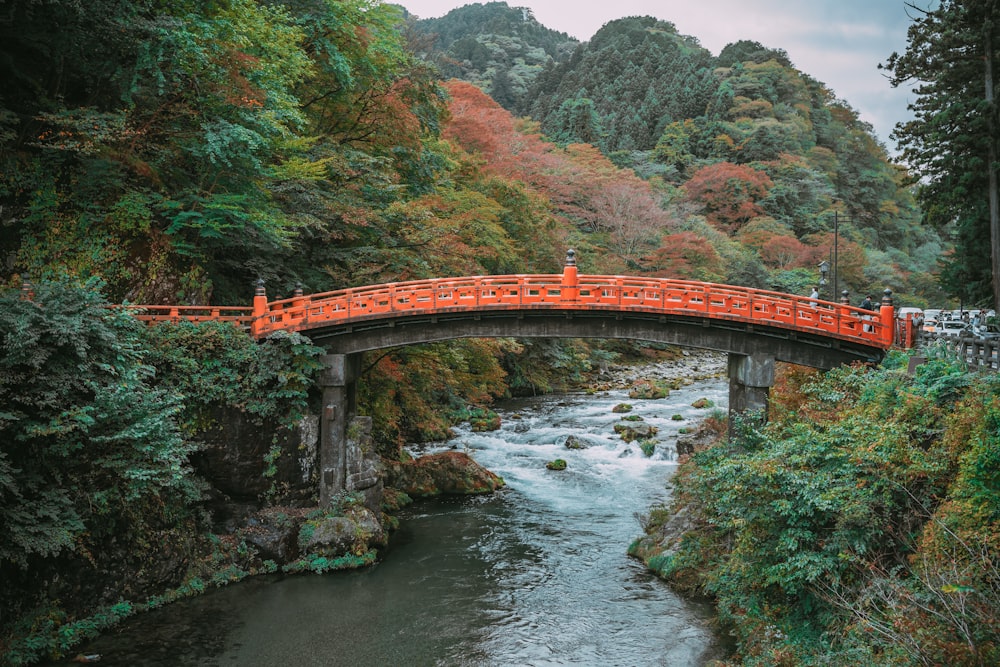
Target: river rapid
534,575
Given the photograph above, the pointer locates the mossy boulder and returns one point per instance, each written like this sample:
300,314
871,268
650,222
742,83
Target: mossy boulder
630,431
482,420
558,464
573,442
622,407
648,389
354,531
702,403
444,473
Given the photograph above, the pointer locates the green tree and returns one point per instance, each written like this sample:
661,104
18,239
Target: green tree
952,141
91,450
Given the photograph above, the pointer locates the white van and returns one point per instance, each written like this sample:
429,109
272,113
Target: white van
902,313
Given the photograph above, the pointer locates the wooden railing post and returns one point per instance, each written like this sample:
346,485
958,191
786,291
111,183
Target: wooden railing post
257,325
887,313
570,280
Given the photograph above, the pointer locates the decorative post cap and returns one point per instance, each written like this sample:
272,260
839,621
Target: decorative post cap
845,296
259,291
887,297
570,257
298,289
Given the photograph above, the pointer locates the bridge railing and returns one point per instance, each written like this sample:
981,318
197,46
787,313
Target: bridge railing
239,315
585,292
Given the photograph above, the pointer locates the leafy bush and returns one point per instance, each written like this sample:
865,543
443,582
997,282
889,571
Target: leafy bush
215,364
92,455
87,438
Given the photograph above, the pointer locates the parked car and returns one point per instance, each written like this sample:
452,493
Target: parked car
952,328
986,331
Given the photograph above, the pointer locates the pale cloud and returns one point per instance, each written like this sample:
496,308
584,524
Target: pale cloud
838,42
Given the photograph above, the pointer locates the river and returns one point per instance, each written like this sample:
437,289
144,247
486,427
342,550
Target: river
534,575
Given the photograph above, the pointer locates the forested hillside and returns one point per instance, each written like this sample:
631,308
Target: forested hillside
750,157
499,48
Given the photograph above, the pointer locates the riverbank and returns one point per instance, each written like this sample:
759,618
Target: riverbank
690,365
858,526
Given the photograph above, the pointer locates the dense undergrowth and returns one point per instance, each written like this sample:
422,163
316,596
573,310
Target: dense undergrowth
861,525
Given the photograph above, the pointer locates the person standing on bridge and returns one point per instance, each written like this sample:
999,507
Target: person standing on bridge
867,304
814,296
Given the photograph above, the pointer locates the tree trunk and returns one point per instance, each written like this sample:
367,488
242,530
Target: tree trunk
992,142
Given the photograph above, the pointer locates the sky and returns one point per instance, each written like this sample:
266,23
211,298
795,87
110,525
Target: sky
838,42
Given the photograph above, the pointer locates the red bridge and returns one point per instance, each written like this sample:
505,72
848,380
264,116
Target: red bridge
327,315
755,327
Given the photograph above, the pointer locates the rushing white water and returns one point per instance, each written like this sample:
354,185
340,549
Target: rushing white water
534,575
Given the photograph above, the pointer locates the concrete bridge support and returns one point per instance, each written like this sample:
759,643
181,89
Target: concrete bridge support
750,380
339,384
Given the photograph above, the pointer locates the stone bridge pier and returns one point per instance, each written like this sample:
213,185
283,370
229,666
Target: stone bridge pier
347,460
750,380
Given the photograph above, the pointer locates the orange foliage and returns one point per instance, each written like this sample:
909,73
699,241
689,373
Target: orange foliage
729,193
783,252
850,257
584,186
786,395
685,255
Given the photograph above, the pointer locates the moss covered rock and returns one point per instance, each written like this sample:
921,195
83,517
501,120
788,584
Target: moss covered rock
443,473
630,431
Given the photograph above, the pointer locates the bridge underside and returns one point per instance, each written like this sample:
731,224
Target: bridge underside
733,337
752,351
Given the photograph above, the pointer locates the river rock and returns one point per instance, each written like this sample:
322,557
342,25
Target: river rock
355,532
274,534
630,431
573,442
689,443
649,390
243,461
688,366
442,473
663,539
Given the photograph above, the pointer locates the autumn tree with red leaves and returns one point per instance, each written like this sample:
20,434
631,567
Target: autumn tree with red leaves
685,255
729,193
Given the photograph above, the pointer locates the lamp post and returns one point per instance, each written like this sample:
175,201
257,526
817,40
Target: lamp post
824,270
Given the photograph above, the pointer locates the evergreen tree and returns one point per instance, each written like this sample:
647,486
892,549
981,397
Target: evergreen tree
952,141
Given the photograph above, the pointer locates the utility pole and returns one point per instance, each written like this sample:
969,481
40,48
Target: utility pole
836,240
